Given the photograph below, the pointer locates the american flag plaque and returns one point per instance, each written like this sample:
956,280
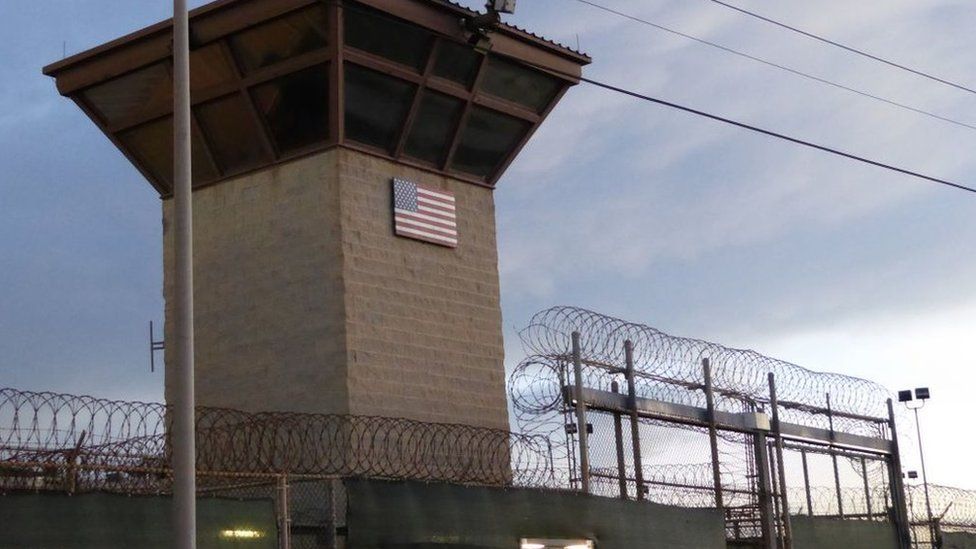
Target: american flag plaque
424,214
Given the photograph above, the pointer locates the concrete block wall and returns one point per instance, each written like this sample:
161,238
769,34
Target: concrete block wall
307,301
424,322
268,300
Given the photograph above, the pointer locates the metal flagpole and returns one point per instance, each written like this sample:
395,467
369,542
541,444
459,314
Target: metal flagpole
184,450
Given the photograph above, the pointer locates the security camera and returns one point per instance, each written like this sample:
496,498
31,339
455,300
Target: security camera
502,6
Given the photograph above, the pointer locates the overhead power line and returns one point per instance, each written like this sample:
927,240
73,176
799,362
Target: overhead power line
780,66
756,129
845,47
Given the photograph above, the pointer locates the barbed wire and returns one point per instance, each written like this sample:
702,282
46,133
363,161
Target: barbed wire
738,375
48,431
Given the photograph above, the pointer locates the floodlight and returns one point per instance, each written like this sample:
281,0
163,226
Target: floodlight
502,6
556,544
922,393
904,396
241,533
913,474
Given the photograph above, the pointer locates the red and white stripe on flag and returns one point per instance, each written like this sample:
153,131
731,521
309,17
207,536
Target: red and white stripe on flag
424,214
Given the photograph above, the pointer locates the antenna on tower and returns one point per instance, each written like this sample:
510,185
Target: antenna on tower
154,345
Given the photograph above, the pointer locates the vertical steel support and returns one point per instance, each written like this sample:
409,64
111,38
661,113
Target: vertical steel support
634,419
774,467
284,514
618,437
925,477
787,524
867,486
897,487
840,495
332,538
713,433
765,491
806,482
184,445
833,457
581,432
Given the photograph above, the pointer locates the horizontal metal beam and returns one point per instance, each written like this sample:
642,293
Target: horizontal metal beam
606,401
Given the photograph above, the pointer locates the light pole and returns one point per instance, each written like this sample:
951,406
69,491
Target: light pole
922,395
184,428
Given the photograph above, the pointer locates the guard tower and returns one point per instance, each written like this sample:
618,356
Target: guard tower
345,155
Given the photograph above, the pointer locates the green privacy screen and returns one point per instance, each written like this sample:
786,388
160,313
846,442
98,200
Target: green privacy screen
402,515
104,521
823,533
953,540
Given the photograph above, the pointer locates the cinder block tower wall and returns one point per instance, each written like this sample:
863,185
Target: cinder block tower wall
268,295
424,331
305,300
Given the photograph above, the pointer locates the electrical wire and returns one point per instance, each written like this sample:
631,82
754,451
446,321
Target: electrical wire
850,49
780,66
752,128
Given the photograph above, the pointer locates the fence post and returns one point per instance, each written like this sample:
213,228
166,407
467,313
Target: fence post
867,486
618,435
787,524
634,419
284,518
897,487
581,426
765,489
806,482
713,433
833,457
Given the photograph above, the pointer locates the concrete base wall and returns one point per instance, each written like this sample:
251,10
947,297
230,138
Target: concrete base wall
104,521
823,533
386,515
307,301
954,540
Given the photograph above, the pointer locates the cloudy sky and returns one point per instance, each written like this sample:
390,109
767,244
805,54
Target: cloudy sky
616,205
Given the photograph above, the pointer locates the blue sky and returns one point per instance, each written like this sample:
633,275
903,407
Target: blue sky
617,205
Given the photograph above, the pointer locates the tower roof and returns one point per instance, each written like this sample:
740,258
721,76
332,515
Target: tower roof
274,80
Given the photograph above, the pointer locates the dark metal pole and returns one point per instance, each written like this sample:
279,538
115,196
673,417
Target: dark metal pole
774,405
581,431
806,482
897,486
765,491
618,436
184,422
925,478
833,457
713,433
774,478
867,486
284,514
634,419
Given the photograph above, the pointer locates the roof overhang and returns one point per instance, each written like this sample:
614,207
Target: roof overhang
122,86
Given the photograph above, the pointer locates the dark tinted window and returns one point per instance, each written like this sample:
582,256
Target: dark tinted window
456,62
433,127
283,38
519,84
209,67
232,133
488,138
387,37
146,90
296,108
376,106
152,145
